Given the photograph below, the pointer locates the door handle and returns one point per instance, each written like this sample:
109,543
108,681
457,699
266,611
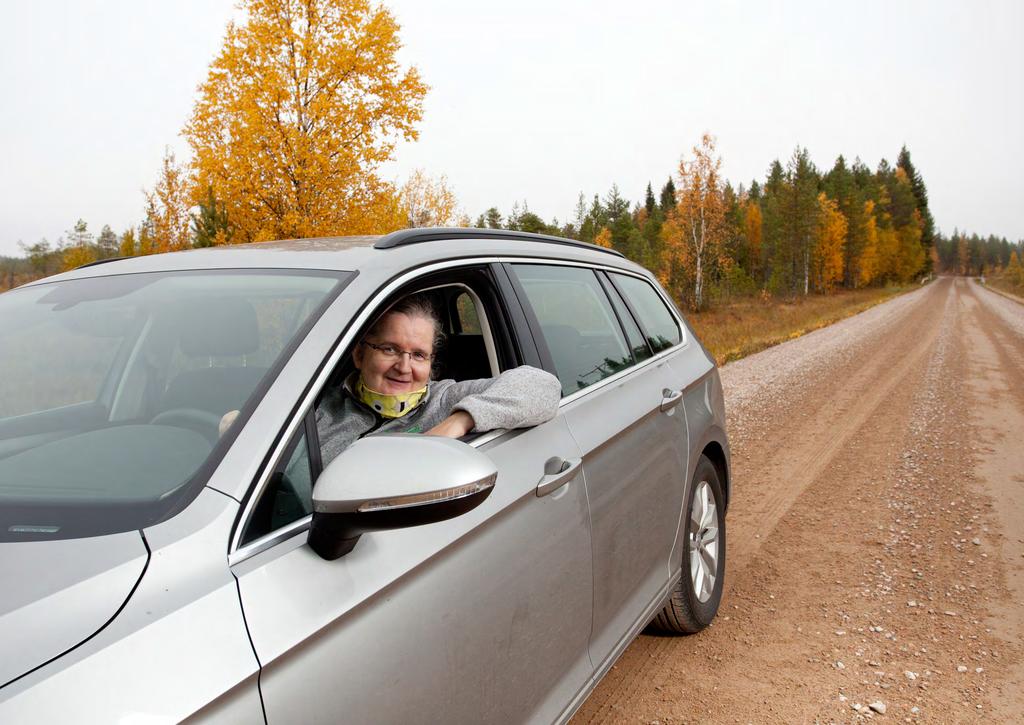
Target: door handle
564,471
670,399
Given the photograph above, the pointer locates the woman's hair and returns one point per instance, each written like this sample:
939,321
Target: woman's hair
415,305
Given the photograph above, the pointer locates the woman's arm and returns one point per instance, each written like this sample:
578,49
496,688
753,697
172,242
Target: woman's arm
518,398
455,425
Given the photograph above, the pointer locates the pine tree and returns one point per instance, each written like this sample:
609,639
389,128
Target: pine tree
38,255
774,195
801,217
493,218
107,242
79,235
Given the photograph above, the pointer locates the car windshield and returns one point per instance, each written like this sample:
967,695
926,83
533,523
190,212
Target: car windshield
117,394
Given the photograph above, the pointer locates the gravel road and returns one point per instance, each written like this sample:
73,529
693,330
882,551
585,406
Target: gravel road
875,566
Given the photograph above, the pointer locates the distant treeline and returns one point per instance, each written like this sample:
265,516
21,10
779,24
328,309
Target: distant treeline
797,232
974,255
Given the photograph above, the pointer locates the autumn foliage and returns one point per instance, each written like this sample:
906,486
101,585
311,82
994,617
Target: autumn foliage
304,102
693,234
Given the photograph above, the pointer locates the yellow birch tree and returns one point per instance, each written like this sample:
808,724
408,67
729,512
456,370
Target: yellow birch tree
304,102
867,262
76,256
910,255
829,245
695,230
127,247
1014,270
428,202
168,208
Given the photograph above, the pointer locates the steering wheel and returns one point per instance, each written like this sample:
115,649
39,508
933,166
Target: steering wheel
203,422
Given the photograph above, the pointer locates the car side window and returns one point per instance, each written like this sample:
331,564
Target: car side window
658,322
578,322
289,496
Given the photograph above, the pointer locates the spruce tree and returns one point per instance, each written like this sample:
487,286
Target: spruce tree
921,196
667,200
615,204
210,226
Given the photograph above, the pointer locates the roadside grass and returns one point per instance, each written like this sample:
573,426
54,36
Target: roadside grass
1004,284
742,327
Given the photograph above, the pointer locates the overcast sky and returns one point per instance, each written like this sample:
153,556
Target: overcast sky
539,100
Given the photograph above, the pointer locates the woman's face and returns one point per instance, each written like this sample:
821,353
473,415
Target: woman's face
401,375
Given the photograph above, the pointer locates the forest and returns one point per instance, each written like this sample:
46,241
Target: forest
798,231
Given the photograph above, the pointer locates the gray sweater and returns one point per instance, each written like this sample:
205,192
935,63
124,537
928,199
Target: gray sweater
517,398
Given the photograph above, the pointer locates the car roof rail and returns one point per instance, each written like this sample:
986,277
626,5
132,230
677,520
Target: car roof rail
417,236
100,261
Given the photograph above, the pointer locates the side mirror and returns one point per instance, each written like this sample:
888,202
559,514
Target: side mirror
395,481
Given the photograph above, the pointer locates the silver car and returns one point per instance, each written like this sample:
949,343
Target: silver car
157,565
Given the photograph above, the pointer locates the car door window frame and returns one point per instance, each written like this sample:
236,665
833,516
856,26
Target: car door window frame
613,294
511,330
683,337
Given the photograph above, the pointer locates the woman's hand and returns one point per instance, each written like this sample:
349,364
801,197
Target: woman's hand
455,425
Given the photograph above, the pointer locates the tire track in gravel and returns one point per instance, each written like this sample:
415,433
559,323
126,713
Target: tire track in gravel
997,377
1008,343
813,438
784,446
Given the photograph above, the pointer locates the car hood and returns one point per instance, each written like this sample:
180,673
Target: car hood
57,594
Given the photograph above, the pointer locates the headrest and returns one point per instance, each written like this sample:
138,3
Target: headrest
219,327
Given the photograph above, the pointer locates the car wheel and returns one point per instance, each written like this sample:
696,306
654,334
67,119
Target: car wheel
698,591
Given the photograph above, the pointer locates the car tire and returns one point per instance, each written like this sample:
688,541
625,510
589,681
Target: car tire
694,600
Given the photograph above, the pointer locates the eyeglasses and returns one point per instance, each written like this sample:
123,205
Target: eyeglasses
394,353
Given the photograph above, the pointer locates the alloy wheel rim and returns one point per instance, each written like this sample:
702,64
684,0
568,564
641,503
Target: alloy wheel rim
703,541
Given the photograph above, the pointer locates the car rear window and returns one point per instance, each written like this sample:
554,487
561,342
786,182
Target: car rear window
657,320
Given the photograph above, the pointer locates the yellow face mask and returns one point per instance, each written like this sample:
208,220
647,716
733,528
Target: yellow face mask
389,406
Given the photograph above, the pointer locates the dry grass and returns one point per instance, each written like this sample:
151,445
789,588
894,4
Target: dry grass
1003,283
737,329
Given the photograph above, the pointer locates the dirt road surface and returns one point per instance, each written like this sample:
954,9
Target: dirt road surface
876,532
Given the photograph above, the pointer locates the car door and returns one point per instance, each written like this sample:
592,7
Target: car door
483,618
621,404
